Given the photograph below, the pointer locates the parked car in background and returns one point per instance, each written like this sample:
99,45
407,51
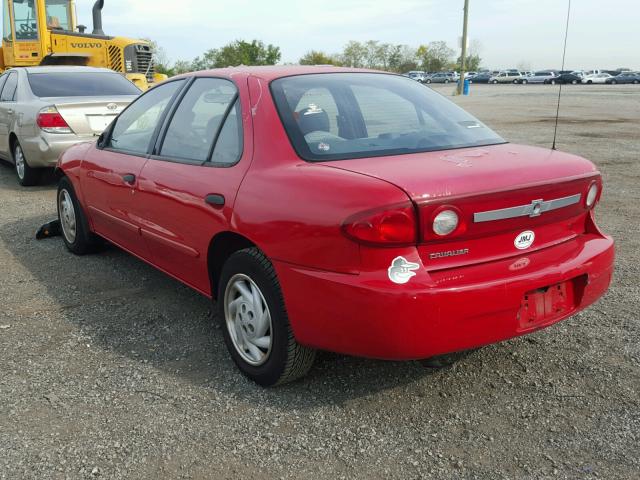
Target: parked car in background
567,77
596,78
539,77
482,77
416,75
390,249
626,77
507,77
45,110
442,77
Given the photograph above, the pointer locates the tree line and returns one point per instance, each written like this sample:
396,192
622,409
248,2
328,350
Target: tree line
432,57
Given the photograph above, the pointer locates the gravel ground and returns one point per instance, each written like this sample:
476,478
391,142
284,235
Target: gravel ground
110,369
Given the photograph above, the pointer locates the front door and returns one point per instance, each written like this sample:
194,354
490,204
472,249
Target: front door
111,173
187,190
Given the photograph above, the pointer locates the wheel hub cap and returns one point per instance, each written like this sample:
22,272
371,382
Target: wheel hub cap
67,216
19,163
248,320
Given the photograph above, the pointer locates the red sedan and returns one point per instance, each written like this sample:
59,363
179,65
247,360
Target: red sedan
342,210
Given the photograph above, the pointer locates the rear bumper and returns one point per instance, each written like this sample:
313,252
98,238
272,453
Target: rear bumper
44,150
439,312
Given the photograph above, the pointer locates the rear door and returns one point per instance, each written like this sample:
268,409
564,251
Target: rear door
111,172
188,187
7,111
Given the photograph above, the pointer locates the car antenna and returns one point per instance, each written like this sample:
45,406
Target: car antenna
564,54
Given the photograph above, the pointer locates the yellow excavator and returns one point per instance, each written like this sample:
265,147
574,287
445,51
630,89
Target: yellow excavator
46,32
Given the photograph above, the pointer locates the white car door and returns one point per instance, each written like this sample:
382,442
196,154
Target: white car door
8,85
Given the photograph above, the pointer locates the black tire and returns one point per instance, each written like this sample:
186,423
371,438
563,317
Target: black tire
27,175
446,81
286,360
552,82
524,82
589,82
84,241
635,82
495,82
613,82
428,81
574,82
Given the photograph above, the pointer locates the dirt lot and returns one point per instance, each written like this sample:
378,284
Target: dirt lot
110,369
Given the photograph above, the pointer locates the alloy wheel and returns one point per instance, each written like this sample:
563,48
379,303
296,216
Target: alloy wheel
248,320
20,165
67,216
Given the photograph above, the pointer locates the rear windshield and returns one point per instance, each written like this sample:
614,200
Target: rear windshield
80,84
340,116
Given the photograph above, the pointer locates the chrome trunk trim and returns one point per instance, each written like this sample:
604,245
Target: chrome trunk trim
534,209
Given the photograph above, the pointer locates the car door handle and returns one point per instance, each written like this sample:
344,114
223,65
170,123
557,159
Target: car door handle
215,200
129,178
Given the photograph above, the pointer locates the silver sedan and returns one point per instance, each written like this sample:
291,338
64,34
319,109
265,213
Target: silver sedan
45,110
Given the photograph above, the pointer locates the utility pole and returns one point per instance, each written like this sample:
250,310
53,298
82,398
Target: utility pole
463,65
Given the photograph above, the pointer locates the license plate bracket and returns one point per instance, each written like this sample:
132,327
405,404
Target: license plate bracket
545,305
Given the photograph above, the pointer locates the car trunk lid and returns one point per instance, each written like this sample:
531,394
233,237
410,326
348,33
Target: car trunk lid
89,116
511,199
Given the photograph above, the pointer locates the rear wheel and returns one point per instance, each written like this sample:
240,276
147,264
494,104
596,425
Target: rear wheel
574,82
446,81
552,82
613,82
524,82
495,82
73,223
27,176
254,321
635,82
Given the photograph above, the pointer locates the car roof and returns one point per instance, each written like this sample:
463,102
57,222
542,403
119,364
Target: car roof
64,69
269,73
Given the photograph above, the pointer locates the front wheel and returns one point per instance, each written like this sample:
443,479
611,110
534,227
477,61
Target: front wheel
27,176
613,82
574,82
428,81
524,82
254,321
446,81
495,82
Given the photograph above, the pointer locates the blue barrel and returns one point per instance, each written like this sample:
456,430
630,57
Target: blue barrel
465,89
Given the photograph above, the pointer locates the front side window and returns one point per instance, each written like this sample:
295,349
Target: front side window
9,89
58,15
198,122
135,127
25,20
367,115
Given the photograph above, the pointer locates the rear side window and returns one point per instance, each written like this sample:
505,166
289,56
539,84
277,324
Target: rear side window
3,80
10,87
367,114
208,113
135,127
80,84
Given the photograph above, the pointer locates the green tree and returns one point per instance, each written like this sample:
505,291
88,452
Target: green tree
354,54
241,52
436,56
316,57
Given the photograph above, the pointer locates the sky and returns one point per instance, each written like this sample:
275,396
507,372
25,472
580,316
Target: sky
511,33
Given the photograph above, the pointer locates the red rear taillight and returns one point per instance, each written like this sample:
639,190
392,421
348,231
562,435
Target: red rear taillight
390,226
49,120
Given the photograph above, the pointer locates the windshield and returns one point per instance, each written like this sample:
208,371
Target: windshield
80,84
340,116
58,15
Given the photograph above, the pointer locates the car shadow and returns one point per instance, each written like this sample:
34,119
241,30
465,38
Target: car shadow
10,181
122,305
